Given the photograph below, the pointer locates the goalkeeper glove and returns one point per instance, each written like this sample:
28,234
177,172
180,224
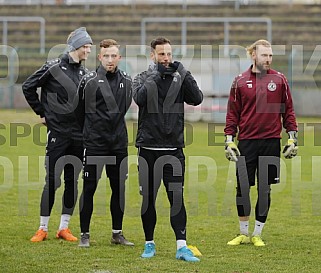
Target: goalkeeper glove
291,148
231,150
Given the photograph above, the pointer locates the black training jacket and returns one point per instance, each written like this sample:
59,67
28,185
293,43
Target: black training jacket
59,81
161,106
106,98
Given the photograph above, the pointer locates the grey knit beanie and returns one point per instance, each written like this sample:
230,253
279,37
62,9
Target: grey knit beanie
78,38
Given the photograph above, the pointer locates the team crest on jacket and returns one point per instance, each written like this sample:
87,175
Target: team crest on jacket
272,86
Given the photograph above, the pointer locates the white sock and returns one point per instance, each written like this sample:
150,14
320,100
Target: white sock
150,242
64,221
180,244
44,220
244,227
115,231
258,228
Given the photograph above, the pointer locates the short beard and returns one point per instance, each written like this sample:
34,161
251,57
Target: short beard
261,68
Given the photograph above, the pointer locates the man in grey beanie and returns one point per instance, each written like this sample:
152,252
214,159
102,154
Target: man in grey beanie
58,108
78,38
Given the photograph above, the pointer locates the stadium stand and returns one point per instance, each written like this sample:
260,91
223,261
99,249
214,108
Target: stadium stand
296,32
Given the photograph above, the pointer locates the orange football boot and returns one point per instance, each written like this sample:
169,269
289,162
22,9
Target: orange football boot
66,235
40,235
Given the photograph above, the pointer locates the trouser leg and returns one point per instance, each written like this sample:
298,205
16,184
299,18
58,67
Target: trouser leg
149,186
173,176
91,176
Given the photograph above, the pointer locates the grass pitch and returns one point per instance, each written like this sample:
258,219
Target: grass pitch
292,232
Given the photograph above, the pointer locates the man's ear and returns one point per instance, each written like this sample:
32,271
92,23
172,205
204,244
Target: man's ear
253,56
152,56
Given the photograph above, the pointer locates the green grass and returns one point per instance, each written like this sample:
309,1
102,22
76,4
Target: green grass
292,232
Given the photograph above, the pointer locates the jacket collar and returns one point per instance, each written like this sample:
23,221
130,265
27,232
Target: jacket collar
101,71
67,59
259,74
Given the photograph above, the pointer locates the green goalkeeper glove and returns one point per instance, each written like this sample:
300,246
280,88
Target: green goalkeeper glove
231,150
291,148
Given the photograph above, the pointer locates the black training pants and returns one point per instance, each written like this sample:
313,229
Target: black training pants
116,166
62,154
169,166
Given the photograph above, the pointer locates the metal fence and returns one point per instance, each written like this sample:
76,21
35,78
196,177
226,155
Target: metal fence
184,20
6,19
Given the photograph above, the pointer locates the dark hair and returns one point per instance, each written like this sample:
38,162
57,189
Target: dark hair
108,43
159,41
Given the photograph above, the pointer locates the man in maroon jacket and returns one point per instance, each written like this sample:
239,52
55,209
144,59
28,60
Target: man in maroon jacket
260,101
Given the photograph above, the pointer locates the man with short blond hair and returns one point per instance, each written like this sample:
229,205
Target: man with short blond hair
107,94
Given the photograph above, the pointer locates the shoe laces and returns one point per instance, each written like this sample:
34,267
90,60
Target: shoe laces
67,232
121,236
118,236
149,247
187,251
40,232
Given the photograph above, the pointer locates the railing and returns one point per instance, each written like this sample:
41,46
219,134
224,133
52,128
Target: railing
41,20
185,20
